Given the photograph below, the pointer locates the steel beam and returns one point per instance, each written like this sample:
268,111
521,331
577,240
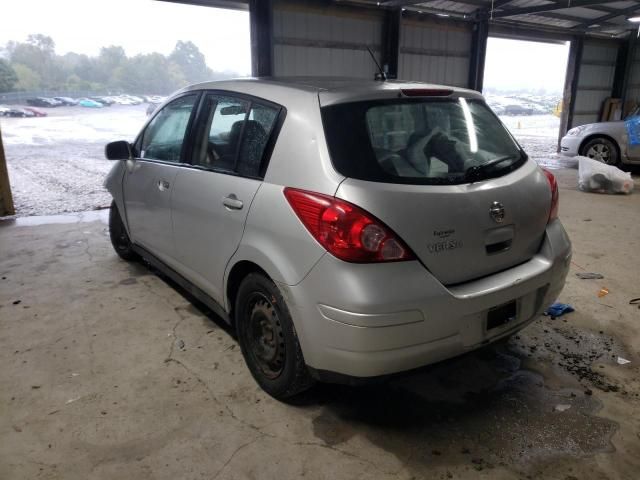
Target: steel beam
6,199
261,27
571,86
600,20
478,56
626,57
391,42
550,7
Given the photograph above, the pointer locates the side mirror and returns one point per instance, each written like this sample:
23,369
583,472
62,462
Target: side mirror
120,150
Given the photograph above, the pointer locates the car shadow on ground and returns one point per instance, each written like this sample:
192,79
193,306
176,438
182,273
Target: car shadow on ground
482,408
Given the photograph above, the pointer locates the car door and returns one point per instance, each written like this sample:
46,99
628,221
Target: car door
148,181
211,199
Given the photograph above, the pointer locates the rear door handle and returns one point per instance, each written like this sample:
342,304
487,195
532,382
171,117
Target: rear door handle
232,202
163,185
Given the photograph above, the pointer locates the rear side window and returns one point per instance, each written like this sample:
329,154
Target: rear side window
236,135
420,141
164,136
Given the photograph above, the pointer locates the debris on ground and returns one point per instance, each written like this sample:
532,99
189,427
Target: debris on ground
589,276
558,309
622,361
181,344
562,407
598,177
602,292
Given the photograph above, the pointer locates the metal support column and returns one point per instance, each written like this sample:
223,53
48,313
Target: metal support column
478,54
6,199
391,42
261,24
626,56
571,86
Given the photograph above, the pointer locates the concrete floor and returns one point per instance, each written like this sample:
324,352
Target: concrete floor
110,372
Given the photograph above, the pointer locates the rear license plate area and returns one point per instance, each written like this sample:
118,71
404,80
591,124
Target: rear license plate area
499,316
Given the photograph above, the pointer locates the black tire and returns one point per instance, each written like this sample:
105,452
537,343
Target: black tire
268,339
601,149
119,236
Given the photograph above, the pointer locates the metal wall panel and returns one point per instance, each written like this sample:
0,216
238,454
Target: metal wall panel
633,89
435,53
329,41
595,83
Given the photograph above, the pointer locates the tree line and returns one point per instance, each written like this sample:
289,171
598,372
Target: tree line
34,65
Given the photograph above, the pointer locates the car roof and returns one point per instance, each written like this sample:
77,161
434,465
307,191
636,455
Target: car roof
329,89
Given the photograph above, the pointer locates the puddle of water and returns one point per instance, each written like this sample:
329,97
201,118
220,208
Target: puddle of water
483,410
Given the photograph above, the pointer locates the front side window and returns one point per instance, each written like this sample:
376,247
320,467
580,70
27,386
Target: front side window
419,141
164,136
236,133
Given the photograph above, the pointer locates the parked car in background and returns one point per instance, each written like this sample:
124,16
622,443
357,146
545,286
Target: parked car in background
122,100
87,102
607,142
36,111
7,111
129,100
43,102
411,229
66,101
105,101
517,110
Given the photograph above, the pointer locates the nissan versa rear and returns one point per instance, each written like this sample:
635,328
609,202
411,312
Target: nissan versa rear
347,229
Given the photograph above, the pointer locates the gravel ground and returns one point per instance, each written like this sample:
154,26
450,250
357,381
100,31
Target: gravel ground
56,164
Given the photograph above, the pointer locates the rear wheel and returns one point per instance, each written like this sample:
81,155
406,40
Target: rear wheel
119,236
601,149
268,338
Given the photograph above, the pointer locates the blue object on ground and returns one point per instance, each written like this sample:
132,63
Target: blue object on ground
558,309
633,130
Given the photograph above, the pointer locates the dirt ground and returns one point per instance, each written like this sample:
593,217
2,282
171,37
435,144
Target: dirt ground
108,371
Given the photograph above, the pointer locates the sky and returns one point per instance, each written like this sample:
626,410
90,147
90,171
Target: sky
140,26
514,64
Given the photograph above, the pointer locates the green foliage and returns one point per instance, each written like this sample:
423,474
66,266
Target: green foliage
35,65
27,79
8,77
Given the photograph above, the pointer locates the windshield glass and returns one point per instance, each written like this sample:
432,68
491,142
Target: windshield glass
439,141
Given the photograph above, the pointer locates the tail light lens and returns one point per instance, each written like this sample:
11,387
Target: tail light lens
553,184
346,231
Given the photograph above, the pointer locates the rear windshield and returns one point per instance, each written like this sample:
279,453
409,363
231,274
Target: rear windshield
419,141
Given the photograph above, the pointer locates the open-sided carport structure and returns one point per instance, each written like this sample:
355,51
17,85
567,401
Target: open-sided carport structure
441,41
445,41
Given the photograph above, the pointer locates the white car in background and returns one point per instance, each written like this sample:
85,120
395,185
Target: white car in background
607,142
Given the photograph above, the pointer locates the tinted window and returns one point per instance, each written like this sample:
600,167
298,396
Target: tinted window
257,131
418,140
164,136
223,128
236,133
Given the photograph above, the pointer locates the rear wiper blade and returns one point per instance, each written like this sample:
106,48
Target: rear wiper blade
474,172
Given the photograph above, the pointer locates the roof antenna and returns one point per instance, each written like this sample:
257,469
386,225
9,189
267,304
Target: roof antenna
381,75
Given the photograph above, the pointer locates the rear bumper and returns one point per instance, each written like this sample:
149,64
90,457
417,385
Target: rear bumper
570,146
379,319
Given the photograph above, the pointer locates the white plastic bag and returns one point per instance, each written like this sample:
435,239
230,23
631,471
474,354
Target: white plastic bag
595,176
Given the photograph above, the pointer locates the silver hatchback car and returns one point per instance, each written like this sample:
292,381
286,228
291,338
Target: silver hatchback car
347,229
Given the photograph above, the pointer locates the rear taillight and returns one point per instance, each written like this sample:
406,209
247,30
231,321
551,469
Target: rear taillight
553,184
346,231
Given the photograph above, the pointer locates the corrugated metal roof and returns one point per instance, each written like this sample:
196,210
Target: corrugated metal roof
592,17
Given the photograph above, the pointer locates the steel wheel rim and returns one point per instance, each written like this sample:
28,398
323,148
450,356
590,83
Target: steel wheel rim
600,152
265,336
